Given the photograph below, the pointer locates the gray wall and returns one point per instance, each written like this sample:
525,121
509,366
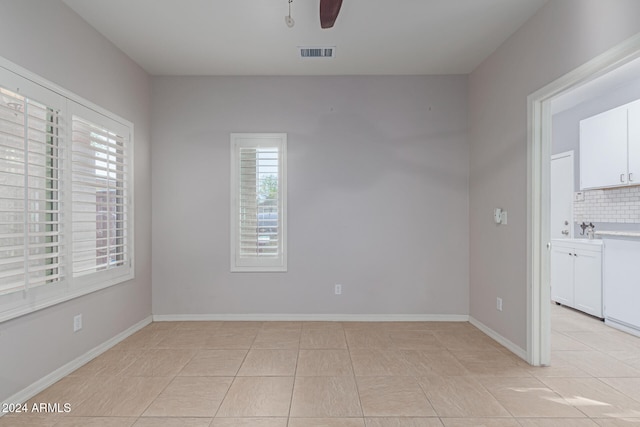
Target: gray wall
378,194
62,48
563,35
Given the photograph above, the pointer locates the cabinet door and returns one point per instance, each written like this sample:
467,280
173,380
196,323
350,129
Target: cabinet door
562,275
587,280
634,143
621,281
603,150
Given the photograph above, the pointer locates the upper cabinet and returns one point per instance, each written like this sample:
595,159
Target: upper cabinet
610,148
634,143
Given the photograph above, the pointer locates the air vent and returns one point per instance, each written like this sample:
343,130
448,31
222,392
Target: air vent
318,52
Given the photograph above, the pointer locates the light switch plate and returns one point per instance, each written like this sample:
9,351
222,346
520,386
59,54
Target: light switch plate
503,218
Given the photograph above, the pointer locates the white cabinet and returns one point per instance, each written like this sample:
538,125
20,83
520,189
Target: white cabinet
562,274
610,148
576,275
603,150
588,281
622,284
634,143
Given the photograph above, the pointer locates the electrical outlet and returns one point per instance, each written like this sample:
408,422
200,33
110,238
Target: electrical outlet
338,289
77,323
499,304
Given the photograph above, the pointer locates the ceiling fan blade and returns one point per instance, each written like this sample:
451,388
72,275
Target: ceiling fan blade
329,10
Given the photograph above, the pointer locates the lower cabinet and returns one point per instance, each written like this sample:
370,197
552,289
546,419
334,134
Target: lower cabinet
562,287
576,275
622,284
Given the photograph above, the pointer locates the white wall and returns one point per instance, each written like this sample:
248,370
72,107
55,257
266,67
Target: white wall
50,40
378,194
563,35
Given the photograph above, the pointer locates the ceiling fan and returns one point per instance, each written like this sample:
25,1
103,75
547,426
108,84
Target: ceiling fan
329,10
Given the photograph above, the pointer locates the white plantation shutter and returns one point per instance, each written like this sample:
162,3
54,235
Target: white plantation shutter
31,243
100,212
66,211
259,202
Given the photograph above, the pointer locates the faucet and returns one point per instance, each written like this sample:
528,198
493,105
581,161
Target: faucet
590,229
583,226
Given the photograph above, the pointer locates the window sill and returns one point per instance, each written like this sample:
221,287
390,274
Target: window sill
28,308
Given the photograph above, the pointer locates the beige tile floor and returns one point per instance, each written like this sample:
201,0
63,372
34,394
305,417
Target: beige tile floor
322,374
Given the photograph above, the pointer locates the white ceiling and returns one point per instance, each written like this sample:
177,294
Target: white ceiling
249,37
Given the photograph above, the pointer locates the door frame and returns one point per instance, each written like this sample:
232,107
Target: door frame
569,154
538,189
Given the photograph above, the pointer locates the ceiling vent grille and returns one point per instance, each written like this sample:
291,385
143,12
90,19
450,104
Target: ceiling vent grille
318,52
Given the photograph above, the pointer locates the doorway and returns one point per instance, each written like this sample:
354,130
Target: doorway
539,189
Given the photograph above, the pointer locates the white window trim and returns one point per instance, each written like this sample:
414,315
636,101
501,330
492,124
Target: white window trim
275,264
20,303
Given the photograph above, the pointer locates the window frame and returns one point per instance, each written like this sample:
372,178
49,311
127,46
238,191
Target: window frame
18,303
258,264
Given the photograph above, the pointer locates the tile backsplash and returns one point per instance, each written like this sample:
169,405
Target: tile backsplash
609,205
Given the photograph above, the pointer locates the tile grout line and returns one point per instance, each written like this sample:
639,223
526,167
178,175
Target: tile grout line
233,380
355,380
295,375
197,350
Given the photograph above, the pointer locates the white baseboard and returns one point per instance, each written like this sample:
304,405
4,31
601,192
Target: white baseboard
515,349
313,317
48,380
621,326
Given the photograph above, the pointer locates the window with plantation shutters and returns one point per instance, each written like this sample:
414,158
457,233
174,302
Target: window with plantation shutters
66,210
99,196
31,244
258,217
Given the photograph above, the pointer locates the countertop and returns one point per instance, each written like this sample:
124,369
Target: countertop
596,242
603,233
